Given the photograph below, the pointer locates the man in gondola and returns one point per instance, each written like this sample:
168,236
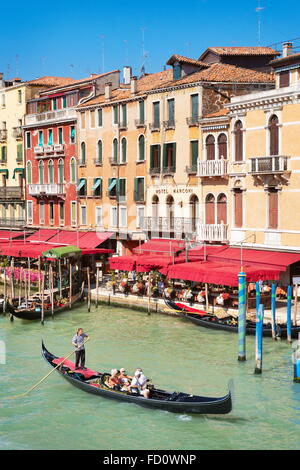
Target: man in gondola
78,341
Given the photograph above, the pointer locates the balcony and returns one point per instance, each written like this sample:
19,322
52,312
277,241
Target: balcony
154,126
98,162
113,161
193,121
123,126
154,171
17,132
169,124
38,150
49,149
51,189
11,222
210,168
212,232
59,148
3,135
140,123
170,170
50,116
9,193
269,165
191,170
169,224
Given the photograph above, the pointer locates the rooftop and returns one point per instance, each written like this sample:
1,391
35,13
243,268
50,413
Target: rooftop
185,60
245,51
51,81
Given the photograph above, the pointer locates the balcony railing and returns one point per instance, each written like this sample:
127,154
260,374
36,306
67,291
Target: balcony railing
113,161
3,135
169,124
123,126
154,126
140,122
11,222
51,189
169,170
267,165
212,232
193,121
11,192
59,148
212,168
58,115
191,170
98,162
154,171
17,132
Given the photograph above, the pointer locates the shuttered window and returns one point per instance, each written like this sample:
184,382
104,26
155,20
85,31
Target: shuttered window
19,152
60,136
238,132
92,119
50,137
100,117
99,151
284,79
124,114
222,146
142,111
115,150
222,209
273,208
141,148
156,114
139,189
155,156
169,156
115,115
41,172
210,147
171,110
124,150
238,208
195,105
210,209
194,152
274,135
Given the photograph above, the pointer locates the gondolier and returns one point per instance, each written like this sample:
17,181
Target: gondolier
78,341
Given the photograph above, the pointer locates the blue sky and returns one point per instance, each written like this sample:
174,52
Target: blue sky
75,38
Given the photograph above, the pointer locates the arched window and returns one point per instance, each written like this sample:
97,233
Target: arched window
82,153
73,170
155,202
124,150
222,146
50,172
29,172
238,141
61,171
210,147
41,172
141,148
194,210
115,150
99,152
274,135
170,211
210,209
222,209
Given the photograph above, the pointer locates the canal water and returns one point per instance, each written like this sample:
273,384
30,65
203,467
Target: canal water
175,354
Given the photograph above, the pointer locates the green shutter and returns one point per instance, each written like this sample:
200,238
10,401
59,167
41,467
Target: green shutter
176,72
124,114
135,196
171,105
50,137
159,156
194,152
41,138
156,114
195,106
174,156
100,117
165,157
19,152
142,111
60,135
141,148
151,157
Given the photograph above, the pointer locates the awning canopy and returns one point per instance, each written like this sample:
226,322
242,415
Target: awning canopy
25,250
112,184
18,170
123,263
160,246
81,183
80,239
7,235
5,171
96,184
220,273
42,235
62,252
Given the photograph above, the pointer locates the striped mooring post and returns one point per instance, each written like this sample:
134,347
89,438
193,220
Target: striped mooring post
257,292
242,316
289,314
259,339
296,361
273,304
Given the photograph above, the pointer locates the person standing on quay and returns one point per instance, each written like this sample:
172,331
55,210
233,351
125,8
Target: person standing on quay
78,341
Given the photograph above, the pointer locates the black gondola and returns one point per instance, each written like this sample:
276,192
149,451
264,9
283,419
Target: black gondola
35,313
159,399
226,324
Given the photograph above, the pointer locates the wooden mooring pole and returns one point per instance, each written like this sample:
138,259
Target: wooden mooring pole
273,305
259,339
242,316
296,305
289,314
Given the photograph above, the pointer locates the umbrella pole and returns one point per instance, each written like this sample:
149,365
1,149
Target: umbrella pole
259,339
39,274
20,286
60,280
51,288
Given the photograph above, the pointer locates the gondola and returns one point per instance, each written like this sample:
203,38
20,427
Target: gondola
198,316
35,312
95,382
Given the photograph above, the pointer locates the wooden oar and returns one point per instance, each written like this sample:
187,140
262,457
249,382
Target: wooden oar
44,378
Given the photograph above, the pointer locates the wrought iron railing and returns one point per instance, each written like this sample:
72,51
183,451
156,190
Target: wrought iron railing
170,124
191,170
212,167
169,170
154,171
193,121
51,189
271,164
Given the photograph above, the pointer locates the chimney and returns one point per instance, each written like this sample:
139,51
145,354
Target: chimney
93,75
108,87
287,49
127,72
133,85
16,81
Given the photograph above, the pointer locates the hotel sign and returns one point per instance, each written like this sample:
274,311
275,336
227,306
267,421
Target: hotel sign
177,190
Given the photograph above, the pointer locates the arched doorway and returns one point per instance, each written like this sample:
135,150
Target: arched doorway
222,209
194,211
170,212
210,209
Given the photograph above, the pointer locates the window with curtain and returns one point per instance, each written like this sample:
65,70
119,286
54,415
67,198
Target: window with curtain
98,216
41,138
141,148
222,146
72,135
210,209
210,147
169,157
50,137
222,209
155,162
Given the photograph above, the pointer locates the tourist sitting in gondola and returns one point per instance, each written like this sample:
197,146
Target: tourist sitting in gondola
113,381
124,380
138,384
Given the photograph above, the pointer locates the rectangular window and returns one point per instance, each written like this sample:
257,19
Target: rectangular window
156,114
51,212
123,217
60,135
19,152
142,112
64,101
194,152
113,217
140,216
82,120
115,114
73,213
19,96
92,119
97,187
50,137
54,104
195,106
238,208
42,212
100,117
155,157
124,115
98,216
72,135
28,140
169,157
83,215
61,213
4,154
122,190
29,212
284,79
171,111
273,209
41,139
139,191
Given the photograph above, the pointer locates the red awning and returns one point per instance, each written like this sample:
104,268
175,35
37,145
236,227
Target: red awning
25,250
123,263
220,273
270,259
160,246
95,251
7,235
80,239
42,235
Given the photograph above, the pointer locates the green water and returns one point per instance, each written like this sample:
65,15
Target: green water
176,354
